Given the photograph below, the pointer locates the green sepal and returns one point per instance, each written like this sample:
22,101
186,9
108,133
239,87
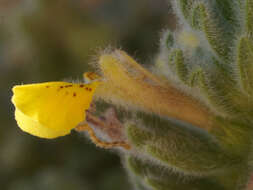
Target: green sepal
184,148
151,174
234,135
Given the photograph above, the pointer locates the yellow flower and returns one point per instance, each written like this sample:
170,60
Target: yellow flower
51,109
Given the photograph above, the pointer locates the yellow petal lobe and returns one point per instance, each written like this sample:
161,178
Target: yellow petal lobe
30,126
51,109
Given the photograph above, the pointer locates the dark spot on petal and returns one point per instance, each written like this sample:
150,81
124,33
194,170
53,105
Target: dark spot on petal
47,86
68,86
81,85
74,94
90,89
61,86
86,88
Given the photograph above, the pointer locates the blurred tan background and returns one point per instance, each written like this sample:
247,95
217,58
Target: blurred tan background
46,40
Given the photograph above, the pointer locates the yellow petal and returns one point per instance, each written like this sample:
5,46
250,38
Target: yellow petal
28,125
51,109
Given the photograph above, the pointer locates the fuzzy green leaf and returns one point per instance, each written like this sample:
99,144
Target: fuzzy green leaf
219,38
181,68
196,18
186,6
